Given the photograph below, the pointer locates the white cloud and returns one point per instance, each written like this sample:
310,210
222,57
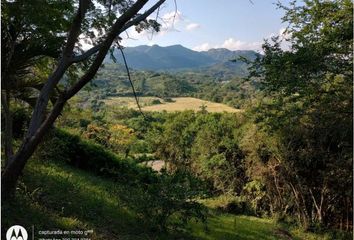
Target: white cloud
170,20
192,26
202,47
172,15
231,44
234,44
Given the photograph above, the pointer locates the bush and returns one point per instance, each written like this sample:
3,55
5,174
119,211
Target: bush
83,123
155,102
168,100
63,146
237,205
168,203
161,201
21,119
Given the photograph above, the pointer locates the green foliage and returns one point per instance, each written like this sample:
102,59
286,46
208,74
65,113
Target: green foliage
155,101
306,113
230,204
230,227
121,138
65,147
168,203
178,134
233,91
31,41
206,145
55,195
20,120
99,134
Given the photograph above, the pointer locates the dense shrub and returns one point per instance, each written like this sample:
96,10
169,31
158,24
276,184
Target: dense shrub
155,102
20,119
161,201
237,205
169,203
169,100
63,146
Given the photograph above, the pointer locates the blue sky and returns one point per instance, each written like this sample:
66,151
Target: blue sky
205,24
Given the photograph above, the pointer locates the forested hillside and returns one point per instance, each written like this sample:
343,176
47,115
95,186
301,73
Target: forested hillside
178,58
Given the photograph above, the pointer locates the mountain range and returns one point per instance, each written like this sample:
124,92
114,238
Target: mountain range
177,58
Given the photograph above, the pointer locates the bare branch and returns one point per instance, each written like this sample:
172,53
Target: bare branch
129,37
86,54
75,28
176,11
143,16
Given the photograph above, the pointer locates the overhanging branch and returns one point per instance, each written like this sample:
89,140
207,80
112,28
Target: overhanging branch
129,24
43,98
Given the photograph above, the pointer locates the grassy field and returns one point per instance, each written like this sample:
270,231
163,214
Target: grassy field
177,104
55,196
130,101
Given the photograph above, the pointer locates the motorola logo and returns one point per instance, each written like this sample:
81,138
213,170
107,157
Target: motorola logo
16,232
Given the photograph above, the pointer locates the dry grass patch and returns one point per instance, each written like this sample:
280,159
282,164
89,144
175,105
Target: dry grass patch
177,104
130,101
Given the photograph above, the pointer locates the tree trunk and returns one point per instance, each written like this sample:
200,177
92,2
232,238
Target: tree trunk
14,169
11,174
301,205
8,127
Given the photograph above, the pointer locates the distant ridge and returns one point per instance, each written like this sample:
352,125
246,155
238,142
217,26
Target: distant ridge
177,57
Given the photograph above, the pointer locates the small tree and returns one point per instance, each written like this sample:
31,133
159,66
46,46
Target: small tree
108,19
121,138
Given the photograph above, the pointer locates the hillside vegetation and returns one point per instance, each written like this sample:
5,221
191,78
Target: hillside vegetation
54,194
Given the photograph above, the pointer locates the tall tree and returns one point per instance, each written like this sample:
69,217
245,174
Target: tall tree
28,42
309,107
100,22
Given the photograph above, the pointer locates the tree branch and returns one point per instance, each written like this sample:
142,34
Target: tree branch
118,27
143,16
75,28
86,54
39,126
31,141
43,98
129,24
